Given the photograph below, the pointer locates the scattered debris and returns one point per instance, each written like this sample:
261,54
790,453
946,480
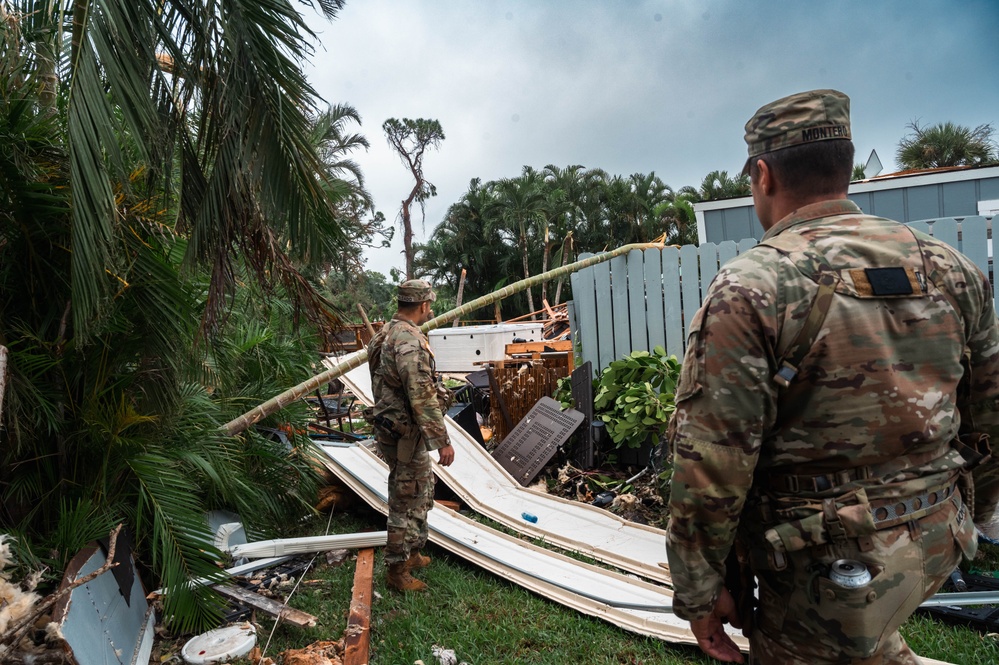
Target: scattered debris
257,657
337,557
264,604
638,498
445,656
334,496
15,603
317,653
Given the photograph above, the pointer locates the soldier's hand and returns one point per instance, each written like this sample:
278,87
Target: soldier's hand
446,455
710,631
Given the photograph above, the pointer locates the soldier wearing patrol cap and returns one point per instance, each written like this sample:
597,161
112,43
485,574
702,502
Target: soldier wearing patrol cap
840,384
408,424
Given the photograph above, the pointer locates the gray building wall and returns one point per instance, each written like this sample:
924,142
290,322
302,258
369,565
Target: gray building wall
903,198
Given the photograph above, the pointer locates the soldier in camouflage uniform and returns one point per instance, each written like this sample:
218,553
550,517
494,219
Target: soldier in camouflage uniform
839,384
408,424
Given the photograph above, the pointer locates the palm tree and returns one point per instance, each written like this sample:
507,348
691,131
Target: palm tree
945,144
630,204
593,229
678,217
522,206
140,136
720,185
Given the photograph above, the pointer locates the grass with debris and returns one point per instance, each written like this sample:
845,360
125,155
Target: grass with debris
485,619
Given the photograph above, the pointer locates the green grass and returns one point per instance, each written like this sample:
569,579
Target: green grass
482,618
487,620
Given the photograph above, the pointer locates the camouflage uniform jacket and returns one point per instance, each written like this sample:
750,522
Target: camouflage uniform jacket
402,382
879,385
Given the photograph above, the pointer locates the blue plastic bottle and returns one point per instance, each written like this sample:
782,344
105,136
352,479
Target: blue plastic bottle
533,519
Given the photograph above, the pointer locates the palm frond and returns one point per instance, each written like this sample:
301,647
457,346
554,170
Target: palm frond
181,544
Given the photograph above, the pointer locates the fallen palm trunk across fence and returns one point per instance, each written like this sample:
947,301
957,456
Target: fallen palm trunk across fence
278,402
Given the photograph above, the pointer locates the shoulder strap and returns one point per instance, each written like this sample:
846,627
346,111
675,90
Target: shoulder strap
806,337
827,279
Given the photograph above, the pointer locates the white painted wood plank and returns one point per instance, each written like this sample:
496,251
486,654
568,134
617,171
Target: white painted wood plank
708,255
675,339
690,285
619,305
747,244
975,242
605,316
727,251
655,322
585,304
946,230
636,301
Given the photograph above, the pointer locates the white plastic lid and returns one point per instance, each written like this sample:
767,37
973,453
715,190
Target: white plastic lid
220,644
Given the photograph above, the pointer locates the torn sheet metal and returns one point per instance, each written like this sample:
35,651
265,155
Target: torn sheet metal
102,621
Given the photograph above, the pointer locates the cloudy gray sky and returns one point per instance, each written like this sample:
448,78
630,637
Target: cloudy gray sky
637,86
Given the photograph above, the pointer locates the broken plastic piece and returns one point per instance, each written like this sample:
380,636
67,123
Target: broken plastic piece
603,499
220,644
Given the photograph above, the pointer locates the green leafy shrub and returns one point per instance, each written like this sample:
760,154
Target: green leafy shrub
634,396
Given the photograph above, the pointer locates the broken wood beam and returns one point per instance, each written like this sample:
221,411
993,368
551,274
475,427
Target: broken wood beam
357,638
267,605
364,318
461,288
544,346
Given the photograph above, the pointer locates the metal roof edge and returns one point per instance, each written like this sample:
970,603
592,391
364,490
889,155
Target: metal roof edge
881,183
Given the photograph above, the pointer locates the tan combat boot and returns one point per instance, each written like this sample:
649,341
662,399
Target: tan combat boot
416,561
399,578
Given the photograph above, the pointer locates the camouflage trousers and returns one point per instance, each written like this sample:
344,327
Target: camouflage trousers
987,496
410,498
804,618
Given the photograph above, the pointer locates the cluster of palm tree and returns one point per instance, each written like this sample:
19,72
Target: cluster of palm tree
946,144
171,193
513,228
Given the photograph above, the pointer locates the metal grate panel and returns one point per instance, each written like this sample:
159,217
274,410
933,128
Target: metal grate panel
532,443
582,395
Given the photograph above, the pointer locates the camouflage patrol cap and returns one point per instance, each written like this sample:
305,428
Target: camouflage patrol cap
805,117
415,290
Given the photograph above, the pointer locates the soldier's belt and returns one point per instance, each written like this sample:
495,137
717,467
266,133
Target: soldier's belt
888,513
792,483
853,516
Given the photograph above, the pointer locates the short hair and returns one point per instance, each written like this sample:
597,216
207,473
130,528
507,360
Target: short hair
822,167
404,306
